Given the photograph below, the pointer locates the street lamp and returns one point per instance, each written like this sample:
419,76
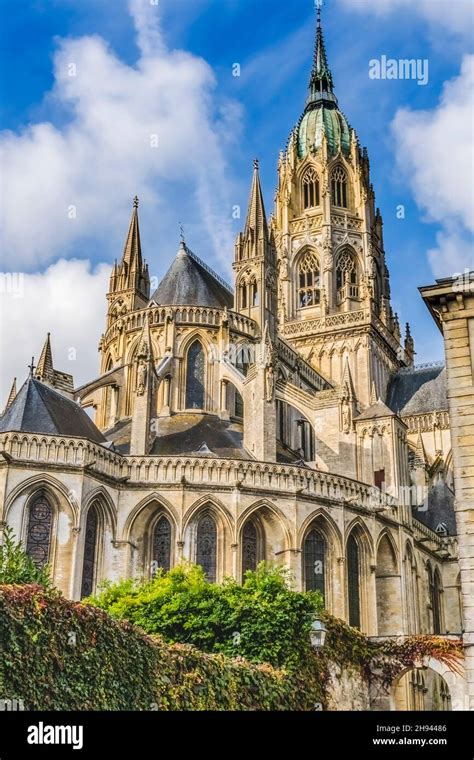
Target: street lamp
318,633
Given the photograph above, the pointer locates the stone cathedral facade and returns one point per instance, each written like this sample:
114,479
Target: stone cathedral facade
282,419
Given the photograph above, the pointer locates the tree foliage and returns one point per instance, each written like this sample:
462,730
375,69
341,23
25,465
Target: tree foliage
262,620
16,566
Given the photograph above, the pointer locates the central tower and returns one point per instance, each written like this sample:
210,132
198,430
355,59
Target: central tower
333,281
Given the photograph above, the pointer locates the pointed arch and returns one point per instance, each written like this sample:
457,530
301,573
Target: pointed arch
195,376
89,561
310,188
39,528
206,544
308,279
359,559
387,587
339,187
347,277
411,590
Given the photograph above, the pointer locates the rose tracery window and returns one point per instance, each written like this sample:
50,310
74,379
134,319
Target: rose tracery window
310,189
339,187
38,538
309,281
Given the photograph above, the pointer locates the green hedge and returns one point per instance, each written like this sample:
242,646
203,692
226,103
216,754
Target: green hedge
63,655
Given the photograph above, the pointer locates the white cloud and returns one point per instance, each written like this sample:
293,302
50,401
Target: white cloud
105,152
68,300
435,154
455,17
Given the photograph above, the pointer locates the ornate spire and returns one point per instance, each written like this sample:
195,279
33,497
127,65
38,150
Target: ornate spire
320,82
11,395
256,222
132,253
45,369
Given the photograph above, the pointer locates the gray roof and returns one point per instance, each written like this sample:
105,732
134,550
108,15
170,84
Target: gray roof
186,433
416,391
37,408
375,411
189,282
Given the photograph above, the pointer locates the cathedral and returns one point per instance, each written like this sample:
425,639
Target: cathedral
282,419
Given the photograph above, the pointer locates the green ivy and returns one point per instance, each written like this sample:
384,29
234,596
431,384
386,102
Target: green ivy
15,564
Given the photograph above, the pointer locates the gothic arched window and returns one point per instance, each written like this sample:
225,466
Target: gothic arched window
309,281
314,554
339,187
243,295
253,293
90,551
434,586
310,188
195,377
162,544
346,277
353,581
38,537
206,546
249,547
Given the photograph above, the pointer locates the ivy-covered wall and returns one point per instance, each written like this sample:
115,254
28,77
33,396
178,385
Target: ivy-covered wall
61,655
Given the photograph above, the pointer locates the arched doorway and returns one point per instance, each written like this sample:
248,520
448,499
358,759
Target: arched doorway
421,689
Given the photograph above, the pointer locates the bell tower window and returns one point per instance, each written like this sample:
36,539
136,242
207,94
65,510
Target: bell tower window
339,187
309,281
347,285
310,189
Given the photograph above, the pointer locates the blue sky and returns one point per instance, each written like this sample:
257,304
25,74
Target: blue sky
232,120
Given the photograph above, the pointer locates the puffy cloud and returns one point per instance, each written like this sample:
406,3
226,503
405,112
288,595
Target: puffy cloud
455,17
125,129
68,300
435,155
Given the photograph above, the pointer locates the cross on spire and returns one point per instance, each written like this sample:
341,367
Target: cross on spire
32,366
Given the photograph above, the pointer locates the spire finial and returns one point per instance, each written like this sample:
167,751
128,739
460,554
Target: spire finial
31,366
181,234
255,163
135,202
320,83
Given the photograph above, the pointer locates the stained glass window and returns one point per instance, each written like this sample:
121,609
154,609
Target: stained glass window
162,544
38,540
249,547
353,582
206,553
195,377
434,584
314,561
90,551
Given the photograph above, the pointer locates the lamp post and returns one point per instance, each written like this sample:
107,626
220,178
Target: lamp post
318,633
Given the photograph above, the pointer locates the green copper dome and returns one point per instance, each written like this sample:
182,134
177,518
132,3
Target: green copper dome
321,115
322,119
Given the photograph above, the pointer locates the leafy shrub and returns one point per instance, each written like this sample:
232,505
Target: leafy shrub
263,620
15,564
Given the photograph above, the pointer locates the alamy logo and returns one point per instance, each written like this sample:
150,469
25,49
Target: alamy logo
42,734
402,68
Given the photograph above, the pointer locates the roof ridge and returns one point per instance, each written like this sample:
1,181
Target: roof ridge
209,270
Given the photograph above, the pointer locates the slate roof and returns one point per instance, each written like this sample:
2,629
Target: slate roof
418,390
189,282
37,408
185,434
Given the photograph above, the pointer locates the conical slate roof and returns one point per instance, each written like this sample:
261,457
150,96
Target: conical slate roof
189,282
37,408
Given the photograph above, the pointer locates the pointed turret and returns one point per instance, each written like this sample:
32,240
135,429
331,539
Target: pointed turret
45,369
256,289
409,346
11,395
130,278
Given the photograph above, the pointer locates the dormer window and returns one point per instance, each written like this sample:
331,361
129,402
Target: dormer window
310,189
